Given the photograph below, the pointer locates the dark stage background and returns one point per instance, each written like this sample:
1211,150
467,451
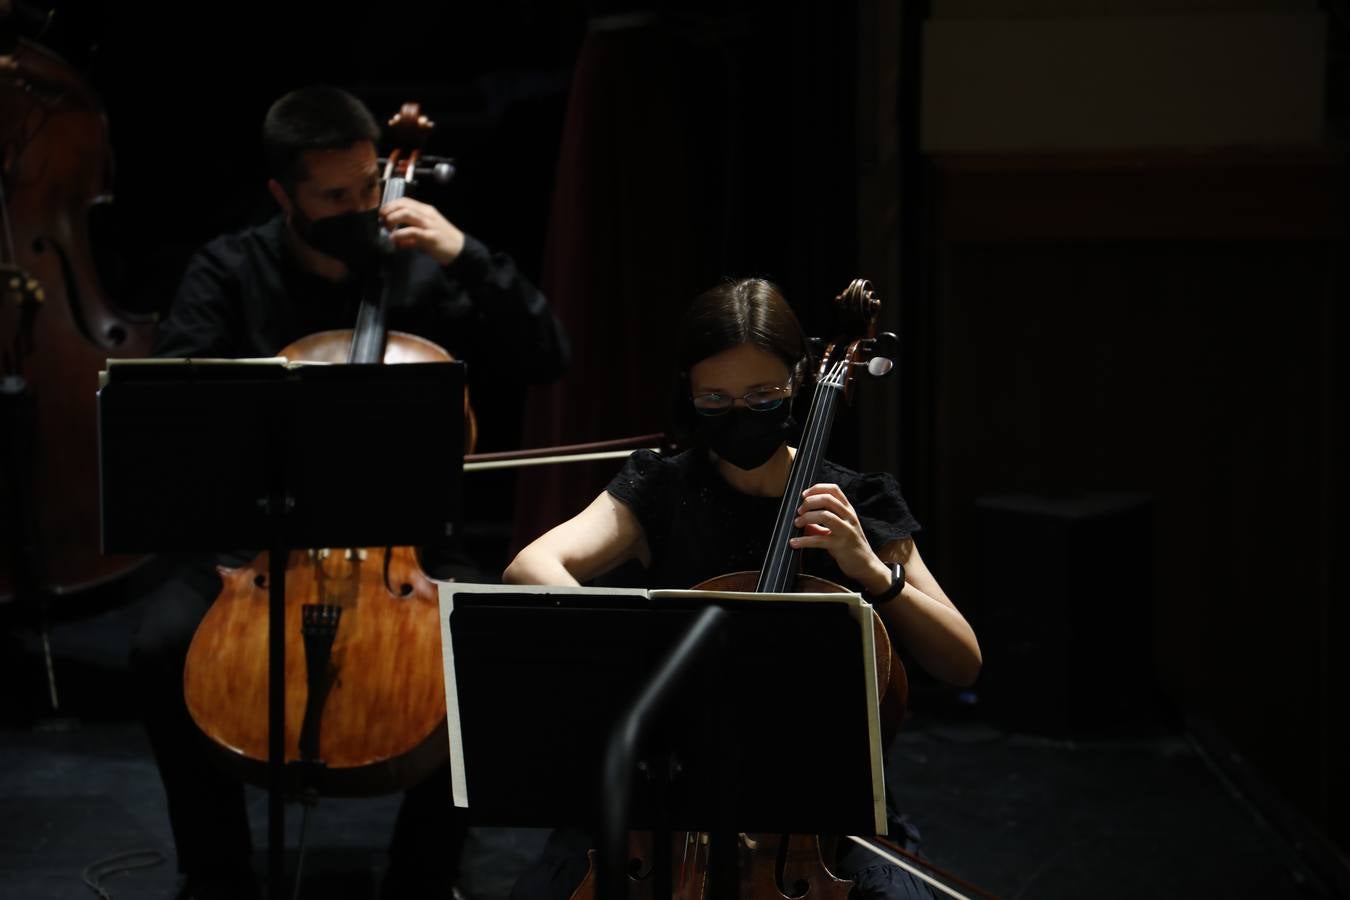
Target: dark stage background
625,166
1120,412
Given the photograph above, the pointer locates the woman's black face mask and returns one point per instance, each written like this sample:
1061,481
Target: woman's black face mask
743,437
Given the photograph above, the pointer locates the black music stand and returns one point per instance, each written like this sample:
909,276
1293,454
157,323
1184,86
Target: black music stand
215,455
743,714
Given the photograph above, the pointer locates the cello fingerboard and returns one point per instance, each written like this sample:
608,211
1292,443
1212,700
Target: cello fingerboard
781,563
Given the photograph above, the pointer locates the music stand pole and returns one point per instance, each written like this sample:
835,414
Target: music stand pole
276,715
277,505
697,642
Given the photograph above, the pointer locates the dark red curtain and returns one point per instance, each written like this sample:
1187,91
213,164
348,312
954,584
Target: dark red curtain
694,148
617,263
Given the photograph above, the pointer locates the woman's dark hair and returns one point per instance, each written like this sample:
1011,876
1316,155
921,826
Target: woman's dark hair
318,117
745,311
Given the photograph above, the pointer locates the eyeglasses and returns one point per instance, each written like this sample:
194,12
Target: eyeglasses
758,400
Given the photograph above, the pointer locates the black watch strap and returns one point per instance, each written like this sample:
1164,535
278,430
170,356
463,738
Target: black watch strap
892,591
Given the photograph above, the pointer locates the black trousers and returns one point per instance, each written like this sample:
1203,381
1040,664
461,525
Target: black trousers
206,804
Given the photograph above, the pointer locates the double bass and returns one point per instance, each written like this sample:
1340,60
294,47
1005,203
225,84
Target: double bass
57,325
365,698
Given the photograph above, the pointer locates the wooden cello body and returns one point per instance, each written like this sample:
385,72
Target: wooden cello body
381,727
365,697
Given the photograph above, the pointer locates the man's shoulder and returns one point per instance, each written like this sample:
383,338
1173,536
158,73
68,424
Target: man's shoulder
252,245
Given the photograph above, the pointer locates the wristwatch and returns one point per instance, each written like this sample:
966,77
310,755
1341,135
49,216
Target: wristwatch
896,586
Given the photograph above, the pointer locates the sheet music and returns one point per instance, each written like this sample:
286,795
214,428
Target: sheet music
121,368
149,367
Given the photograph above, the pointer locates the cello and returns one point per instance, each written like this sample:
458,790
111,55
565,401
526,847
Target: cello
778,866
763,866
57,326
365,696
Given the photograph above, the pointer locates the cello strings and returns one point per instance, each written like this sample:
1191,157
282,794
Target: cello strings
371,317
804,469
773,576
815,449
803,472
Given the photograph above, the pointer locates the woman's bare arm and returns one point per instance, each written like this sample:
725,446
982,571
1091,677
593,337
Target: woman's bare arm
599,538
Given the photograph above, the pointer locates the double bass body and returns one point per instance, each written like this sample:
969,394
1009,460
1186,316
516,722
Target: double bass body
57,327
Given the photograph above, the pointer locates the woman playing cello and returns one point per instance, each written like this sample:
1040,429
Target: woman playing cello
742,357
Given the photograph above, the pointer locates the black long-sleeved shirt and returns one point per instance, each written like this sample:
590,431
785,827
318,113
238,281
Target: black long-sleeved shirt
246,295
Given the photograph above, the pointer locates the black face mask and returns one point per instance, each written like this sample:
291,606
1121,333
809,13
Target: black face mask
744,438
353,238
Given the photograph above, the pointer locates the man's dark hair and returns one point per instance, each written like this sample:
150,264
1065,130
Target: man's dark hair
318,117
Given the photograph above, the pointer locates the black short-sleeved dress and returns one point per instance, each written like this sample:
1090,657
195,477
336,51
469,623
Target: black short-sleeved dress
697,526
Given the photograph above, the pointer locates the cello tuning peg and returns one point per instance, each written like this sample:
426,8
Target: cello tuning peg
884,348
876,366
438,168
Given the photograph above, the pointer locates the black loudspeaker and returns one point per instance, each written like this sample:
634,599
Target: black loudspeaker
1065,613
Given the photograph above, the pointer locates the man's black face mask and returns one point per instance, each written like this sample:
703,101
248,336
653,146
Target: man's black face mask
353,237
